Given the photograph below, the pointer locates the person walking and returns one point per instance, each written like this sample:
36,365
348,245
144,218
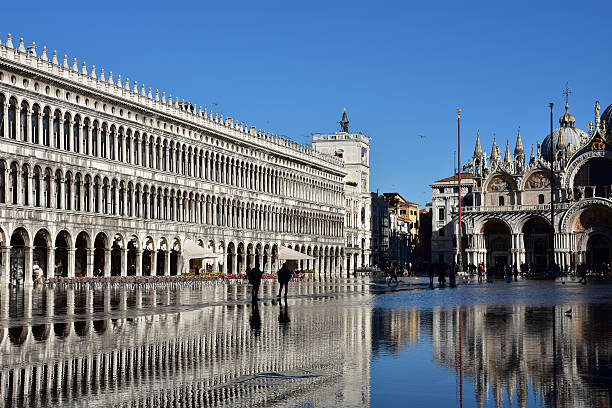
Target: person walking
254,276
480,272
284,276
431,274
452,276
442,275
393,275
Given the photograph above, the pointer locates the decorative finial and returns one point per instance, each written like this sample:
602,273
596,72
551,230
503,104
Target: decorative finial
93,71
157,94
65,63
127,83
9,41
55,61
32,49
118,81
21,45
102,76
567,92
43,56
458,112
110,78
75,67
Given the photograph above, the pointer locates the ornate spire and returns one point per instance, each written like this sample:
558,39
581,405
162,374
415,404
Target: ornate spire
494,150
532,157
478,148
597,117
560,140
518,149
344,122
508,156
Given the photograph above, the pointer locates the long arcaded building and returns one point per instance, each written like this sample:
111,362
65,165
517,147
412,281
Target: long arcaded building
100,173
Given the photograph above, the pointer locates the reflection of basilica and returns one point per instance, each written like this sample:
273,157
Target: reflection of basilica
162,348
508,351
506,213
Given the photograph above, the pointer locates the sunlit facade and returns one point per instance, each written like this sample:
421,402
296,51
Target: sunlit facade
99,173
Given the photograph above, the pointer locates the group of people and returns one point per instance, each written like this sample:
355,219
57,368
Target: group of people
254,276
443,270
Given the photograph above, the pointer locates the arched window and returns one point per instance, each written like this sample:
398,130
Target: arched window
541,199
501,200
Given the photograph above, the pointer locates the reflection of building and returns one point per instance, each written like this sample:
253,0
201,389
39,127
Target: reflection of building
98,173
507,215
393,330
354,150
212,356
508,351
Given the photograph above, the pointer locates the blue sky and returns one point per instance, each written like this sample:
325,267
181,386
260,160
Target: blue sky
400,68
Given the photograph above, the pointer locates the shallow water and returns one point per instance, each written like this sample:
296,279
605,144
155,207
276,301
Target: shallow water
343,343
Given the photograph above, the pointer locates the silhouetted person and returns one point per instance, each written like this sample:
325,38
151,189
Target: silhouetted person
431,274
515,272
582,273
255,280
132,271
393,275
480,272
284,276
442,274
452,276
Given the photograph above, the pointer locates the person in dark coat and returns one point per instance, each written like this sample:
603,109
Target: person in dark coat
431,274
255,280
284,276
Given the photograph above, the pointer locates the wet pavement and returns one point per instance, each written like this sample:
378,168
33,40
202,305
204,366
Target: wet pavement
341,343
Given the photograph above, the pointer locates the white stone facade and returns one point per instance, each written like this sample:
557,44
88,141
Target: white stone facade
354,150
507,209
99,174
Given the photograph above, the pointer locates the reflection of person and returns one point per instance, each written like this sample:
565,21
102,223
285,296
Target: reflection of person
284,276
255,320
283,315
255,280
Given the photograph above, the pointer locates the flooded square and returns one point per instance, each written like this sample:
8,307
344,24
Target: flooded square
346,343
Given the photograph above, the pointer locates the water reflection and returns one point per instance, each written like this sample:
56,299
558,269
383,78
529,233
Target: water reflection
513,355
191,347
210,346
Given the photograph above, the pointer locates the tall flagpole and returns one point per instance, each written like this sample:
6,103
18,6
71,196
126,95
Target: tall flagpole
552,192
460,238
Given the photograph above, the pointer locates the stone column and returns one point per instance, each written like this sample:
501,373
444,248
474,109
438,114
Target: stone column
27,276
153,263
260,260
71,260
107,262
50,262
5,116
138,262
39,128
6,265
167,263
234,264
124,262
90,262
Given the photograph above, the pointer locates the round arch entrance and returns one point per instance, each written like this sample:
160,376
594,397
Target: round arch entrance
598,251
592,228
536,239
497,243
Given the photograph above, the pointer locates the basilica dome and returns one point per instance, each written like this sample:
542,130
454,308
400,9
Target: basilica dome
606,116
567,134
571,135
